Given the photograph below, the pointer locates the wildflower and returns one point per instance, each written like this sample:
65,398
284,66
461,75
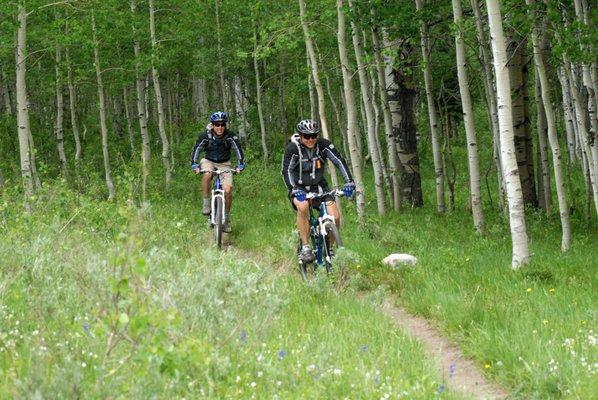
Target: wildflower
253,384
243,337
551,290
452,369
441,388
337,371
364,348
311,367
544,321
529,289
486,366
83,365
281,354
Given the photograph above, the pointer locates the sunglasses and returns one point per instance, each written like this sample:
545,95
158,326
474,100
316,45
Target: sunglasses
219,124
310,136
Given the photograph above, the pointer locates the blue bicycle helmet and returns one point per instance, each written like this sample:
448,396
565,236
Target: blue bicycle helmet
219,116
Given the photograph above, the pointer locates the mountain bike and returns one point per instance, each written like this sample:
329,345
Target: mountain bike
323,232
217,204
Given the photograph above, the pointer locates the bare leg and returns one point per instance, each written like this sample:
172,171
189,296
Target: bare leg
228,197
302,220
205,184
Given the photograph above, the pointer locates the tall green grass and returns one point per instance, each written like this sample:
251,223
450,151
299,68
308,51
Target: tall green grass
117,300
534,330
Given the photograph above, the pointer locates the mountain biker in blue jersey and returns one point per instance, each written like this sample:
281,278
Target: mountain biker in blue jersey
303,172
217,142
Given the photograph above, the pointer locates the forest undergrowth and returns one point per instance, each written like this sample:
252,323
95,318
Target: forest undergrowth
131,300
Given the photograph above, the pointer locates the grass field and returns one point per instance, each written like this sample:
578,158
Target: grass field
121,300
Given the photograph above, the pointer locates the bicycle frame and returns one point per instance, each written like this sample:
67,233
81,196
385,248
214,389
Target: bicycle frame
217,192
318,230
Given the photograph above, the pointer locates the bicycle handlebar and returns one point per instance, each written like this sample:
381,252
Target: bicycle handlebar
334,192
218,171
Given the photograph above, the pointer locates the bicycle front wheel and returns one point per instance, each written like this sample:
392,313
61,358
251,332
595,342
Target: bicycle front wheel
218,210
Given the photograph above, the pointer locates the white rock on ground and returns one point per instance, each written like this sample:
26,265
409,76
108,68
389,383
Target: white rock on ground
399,259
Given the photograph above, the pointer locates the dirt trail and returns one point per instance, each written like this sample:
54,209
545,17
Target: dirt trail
459,373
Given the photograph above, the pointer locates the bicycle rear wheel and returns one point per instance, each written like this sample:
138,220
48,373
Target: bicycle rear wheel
332,242
218,208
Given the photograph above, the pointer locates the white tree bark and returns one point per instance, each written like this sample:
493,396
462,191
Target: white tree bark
544,191
552,137
240,108
435,136
583,132
570,123
468,120
223,87
390,141
490,92
141,109
102,101
24,129
73,106
313,111
521,254
159,98
317,83
128,118
369,113
59,123
351,110
258,88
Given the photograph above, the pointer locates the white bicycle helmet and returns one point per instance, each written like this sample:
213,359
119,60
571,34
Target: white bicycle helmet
308,127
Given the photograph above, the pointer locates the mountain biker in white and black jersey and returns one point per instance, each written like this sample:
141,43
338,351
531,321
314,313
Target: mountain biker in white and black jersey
303,172
217,143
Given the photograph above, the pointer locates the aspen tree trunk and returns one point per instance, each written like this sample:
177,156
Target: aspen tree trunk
581,11
490,92
6,95
351,111
518,77
583,132
401,102
24,129
159,98
258,88
552,136
339,120
369,112
223,92
102,100
390,140
240,108
73,106
59,123
521,254
544,192
438,171
570,123
468,120
318,84
282,117
141,109
128,118
313,112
